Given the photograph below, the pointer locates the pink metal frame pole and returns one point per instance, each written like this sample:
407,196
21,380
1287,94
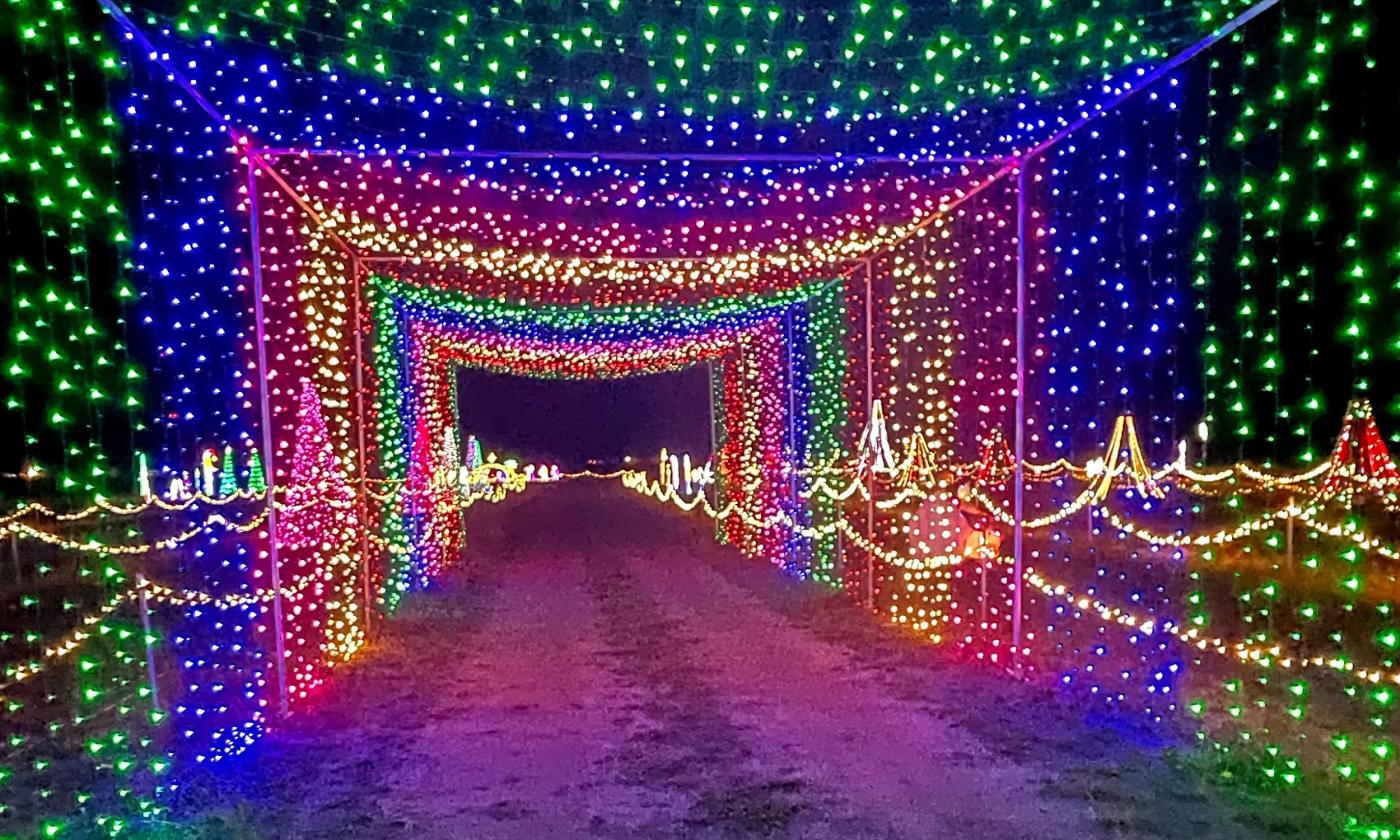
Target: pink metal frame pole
1020,478
869,417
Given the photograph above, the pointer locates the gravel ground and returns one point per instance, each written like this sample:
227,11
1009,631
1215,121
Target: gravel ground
599,668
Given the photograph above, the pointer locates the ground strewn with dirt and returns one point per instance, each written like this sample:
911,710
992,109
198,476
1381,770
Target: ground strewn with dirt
599,668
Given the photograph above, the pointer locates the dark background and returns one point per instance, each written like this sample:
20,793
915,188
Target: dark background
569,422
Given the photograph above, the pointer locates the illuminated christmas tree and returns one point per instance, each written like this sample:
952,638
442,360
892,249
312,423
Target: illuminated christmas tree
451,455
918,461
474,458
1134,466
228,475
1360,458
996,457
875,443
421,492
257,479
316,538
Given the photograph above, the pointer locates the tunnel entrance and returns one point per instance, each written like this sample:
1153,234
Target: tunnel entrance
593,424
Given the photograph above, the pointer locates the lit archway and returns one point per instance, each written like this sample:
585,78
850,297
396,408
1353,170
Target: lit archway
762,349
382,273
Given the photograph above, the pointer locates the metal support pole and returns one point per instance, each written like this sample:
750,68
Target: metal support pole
714,437
838,565
982,610
14,553
869,416
148,639
1019,496
363,467
1288,535
714,452
269,455
792,427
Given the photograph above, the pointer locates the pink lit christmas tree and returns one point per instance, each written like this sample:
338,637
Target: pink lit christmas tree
316,540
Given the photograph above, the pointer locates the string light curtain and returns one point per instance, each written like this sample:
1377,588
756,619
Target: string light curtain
72,394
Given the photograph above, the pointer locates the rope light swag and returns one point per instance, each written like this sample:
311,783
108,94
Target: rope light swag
154,592
24,530
105,506
664,491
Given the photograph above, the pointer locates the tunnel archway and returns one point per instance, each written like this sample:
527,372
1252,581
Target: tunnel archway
761,348
386,272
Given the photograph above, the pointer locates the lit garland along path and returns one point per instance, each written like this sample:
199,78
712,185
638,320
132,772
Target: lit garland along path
600,669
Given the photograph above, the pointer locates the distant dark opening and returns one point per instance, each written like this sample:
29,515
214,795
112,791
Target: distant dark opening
575,422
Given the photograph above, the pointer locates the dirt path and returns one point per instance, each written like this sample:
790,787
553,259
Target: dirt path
600,669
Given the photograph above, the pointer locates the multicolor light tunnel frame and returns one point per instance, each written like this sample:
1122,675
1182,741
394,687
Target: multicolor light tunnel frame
776,361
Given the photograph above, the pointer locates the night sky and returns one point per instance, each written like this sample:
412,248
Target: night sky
569,422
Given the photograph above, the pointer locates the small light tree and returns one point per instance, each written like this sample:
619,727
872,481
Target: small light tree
1360,459
228,474
257,479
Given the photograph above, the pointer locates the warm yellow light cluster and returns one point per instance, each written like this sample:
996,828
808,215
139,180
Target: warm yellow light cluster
104,506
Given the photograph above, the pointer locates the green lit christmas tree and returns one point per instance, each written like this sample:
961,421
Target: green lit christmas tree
228,475
257,479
